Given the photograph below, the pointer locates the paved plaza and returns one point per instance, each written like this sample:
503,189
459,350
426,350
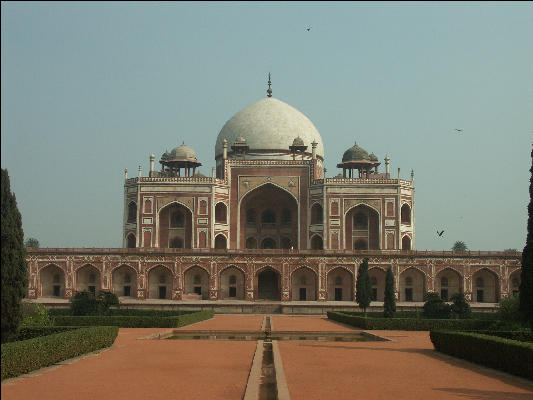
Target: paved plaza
139,366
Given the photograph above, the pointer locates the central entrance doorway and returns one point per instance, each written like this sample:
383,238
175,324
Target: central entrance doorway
268,285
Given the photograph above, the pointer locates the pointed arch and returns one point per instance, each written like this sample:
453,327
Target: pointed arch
362,227
221,241
160,279
124,281
340,289
88,279
268,210
170,226
485,286
412,285
448,282
317,214
317,242
232,283
303,284
132,212
52,281
196,280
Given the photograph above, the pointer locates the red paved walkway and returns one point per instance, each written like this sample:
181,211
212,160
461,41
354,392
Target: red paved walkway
407,368
146,369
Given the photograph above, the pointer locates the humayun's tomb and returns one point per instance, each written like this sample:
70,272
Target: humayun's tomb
268,226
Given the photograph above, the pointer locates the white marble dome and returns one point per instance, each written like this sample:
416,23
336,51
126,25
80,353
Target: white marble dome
271,125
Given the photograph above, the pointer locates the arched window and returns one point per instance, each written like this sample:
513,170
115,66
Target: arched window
220,213
316,214
444,281
131,241
409,281
360,244
338,281
176,243
220,242
251,243
177,219
316,243
268,243
197,279
406,243
374,281
286,216
268,217
127,278
203,207
232,280
406,214
480,282
132,212
250,216
285,243
360,221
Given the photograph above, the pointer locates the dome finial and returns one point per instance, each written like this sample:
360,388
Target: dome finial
269,90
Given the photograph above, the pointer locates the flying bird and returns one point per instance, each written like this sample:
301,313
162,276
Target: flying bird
308,29
440,233
458,130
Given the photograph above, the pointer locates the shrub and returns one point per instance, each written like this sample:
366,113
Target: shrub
28,355
14,266
520,335
409,324
124,321
435,307
363,286
35,315
507,355
31,332
389,304
85,303
460,308
510,310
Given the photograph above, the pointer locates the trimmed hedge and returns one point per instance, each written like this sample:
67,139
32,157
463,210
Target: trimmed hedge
139,312
507,355
33,332
134,321
28,355
409,324
521,336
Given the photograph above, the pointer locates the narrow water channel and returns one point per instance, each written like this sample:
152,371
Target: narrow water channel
268,388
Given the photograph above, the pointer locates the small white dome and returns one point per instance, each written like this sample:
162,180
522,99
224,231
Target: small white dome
269,124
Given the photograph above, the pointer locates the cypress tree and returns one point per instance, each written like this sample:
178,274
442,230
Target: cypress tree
13,267
526,276
389,306
363,286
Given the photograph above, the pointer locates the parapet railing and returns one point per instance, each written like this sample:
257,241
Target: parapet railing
274,252
180,179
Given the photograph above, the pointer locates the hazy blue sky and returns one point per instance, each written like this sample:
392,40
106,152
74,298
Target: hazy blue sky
88,89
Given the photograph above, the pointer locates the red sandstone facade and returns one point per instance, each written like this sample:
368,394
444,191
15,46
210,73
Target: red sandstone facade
268,225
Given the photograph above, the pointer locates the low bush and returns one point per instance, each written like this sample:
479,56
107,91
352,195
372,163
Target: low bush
409,324
34,315
460,307
507,355
435,307
520,335
31,332
134,321
86,303
126,312
28,355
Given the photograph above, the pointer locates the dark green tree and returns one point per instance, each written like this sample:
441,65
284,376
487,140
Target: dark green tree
435,307
31,242
460,307
363,286
459,246
389,306
526,276
13,267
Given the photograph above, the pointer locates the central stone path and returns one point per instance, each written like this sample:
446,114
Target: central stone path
405,367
